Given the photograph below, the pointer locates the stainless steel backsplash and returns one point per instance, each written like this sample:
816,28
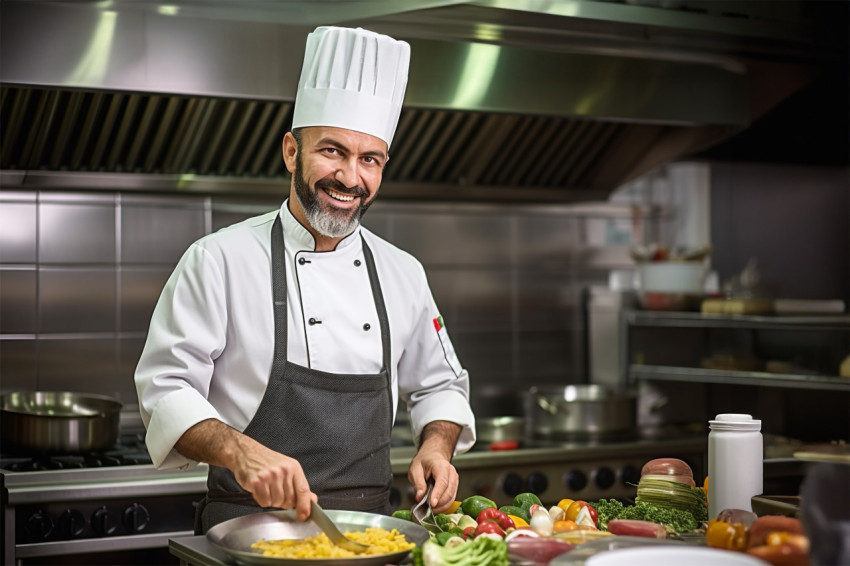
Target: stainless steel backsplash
80,273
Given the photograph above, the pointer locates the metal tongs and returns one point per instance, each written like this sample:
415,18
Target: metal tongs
324,522
422,513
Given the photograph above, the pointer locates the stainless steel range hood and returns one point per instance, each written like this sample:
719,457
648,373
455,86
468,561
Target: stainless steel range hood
563,100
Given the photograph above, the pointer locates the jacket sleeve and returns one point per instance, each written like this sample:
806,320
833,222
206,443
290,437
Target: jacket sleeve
431,379
187,333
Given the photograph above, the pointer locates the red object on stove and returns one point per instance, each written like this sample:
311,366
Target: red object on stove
504,445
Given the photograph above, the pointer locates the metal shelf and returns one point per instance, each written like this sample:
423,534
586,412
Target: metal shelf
700,375
765,322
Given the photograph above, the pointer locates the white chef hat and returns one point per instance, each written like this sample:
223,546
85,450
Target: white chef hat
353,79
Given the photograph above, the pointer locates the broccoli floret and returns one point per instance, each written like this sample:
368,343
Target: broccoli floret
606,510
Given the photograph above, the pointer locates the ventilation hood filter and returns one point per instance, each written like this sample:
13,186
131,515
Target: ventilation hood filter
197,95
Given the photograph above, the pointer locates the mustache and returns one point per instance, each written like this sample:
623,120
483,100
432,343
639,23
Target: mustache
335,185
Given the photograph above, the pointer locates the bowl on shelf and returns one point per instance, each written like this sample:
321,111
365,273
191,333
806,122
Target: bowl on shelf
671,285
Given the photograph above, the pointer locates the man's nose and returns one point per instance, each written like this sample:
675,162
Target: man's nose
348,173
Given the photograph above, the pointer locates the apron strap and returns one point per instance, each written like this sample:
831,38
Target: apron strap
279,296
378,295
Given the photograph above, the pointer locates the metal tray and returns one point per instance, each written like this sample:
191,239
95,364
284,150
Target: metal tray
236,536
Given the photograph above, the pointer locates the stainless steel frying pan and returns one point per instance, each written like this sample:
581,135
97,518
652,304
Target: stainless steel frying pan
58,422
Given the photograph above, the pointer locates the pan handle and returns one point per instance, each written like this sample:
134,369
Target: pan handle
551,408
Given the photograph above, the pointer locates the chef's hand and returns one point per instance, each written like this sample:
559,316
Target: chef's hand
274,479
433,460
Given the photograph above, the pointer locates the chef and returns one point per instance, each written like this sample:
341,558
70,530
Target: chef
281,346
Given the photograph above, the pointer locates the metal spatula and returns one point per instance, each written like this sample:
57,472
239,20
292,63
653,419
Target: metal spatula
324,522
423,514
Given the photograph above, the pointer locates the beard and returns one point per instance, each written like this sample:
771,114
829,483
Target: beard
325,218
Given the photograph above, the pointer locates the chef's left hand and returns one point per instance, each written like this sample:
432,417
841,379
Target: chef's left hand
433,460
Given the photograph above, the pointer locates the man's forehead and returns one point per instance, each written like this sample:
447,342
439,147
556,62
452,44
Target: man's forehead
350,139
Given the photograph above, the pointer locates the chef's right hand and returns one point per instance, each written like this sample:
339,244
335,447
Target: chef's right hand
274,479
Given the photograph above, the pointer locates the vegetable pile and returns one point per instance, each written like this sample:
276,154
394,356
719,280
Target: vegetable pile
479,533
675,520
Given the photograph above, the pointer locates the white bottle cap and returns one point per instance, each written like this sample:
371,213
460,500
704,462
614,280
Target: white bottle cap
734,421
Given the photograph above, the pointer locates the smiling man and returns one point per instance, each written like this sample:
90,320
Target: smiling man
281,346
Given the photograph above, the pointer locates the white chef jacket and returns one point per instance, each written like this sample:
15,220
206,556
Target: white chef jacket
210,345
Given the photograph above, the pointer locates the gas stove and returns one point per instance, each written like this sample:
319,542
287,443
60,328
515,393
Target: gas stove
112,501
129,451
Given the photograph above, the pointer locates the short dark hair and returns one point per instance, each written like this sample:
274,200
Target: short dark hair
296,133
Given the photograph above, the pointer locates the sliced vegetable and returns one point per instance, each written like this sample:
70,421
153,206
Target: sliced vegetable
584,518
482,551
557,513
672,494
565,503
541,522
453,508
575,508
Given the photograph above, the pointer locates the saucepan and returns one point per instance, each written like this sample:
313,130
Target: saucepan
58,422
494,430
580,411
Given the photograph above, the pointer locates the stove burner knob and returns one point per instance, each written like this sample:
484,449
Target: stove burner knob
576,480
104,522
40,525
136,518
631,476
482,488
512,484
604,478
537,483
72,523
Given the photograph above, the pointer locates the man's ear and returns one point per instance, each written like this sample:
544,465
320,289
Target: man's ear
290,151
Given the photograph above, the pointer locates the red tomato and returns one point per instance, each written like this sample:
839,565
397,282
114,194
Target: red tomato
489,527
493,514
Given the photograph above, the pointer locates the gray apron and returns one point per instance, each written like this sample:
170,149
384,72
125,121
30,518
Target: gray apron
337,426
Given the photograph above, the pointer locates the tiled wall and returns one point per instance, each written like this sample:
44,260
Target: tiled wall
80,273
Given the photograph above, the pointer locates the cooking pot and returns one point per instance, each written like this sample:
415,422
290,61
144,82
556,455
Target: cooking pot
580,411
58,422
499,429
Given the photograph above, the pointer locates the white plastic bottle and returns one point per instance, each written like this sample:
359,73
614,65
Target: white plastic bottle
735,462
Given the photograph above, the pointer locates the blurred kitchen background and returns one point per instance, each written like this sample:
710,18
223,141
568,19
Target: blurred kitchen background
540,144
